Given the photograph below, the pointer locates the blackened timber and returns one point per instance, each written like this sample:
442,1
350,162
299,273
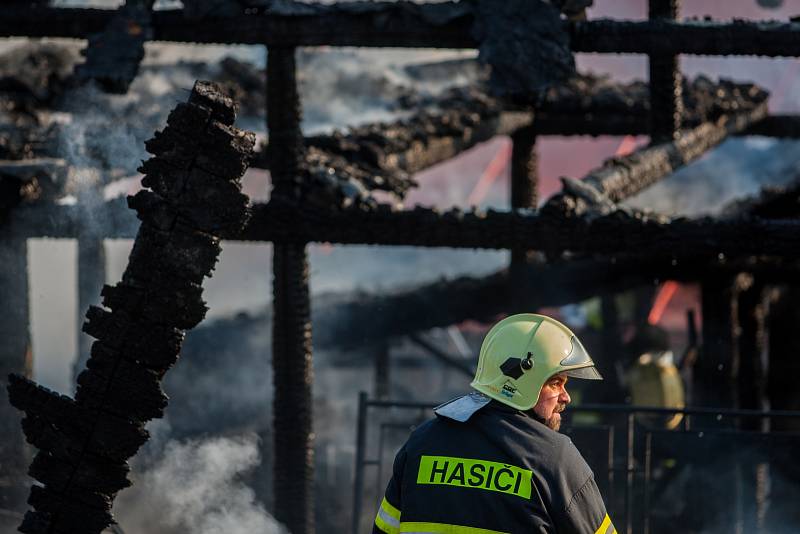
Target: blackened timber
194,199
387,24
371,318
781,126
524,183
291,326
665,80
395,25
615,232
702,37
621,178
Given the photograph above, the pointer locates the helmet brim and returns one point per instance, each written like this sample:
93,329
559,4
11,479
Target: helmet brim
585,373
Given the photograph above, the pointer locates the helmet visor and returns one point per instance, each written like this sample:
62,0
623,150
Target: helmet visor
579,356
587,373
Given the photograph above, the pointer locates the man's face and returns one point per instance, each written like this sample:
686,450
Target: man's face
553,399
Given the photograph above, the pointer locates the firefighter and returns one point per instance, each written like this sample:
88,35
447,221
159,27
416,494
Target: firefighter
492,461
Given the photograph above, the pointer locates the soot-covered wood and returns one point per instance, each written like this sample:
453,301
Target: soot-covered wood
194,199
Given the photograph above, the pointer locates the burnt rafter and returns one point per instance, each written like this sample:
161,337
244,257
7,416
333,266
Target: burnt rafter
194,200
406,24
365,319
383,156
613,232
622,177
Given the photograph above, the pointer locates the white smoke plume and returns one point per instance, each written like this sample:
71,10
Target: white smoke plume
197,486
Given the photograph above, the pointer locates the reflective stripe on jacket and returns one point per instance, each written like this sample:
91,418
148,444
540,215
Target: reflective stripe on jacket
501,471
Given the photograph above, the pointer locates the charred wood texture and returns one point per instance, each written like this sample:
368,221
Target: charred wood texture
291,329
383,156
405,24
193,200
369,319
787,126
615,232
747,38
665,80
621,178
347,165
524,183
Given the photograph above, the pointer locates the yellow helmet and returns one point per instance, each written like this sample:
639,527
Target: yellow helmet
521,352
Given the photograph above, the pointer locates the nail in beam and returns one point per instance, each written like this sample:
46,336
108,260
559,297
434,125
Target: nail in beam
291,338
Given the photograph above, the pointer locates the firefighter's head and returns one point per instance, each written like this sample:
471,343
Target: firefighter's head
526,360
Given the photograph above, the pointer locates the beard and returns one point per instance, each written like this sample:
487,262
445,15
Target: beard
554,421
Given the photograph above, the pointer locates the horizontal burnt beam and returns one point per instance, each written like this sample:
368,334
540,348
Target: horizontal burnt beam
714,38
400,24
368,318
623,177
614,232
596,125
403,24
781,126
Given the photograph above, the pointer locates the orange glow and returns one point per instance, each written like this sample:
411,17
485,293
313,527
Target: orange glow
490,174
626,146
661,302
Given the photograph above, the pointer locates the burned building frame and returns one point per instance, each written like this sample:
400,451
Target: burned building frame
592,245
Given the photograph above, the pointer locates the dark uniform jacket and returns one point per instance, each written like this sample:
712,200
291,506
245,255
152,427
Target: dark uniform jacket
501,471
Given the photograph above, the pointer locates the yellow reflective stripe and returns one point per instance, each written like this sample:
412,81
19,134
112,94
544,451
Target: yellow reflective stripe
387,524
388,518
606,527
391,510
443,528
476,474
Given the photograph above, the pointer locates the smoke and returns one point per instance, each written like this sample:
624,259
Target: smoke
197,486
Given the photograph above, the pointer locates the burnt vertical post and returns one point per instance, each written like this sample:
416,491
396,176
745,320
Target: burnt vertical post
716,370
15,357
753,396
666,81
291,337
524,182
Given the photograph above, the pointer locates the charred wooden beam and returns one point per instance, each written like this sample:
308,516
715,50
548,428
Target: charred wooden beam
524,183
621,178
405,24
702,37
665,80
781,126
386,155
194,200
615,232
291,327
371,318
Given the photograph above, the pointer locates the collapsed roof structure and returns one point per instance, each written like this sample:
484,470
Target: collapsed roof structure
322,186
